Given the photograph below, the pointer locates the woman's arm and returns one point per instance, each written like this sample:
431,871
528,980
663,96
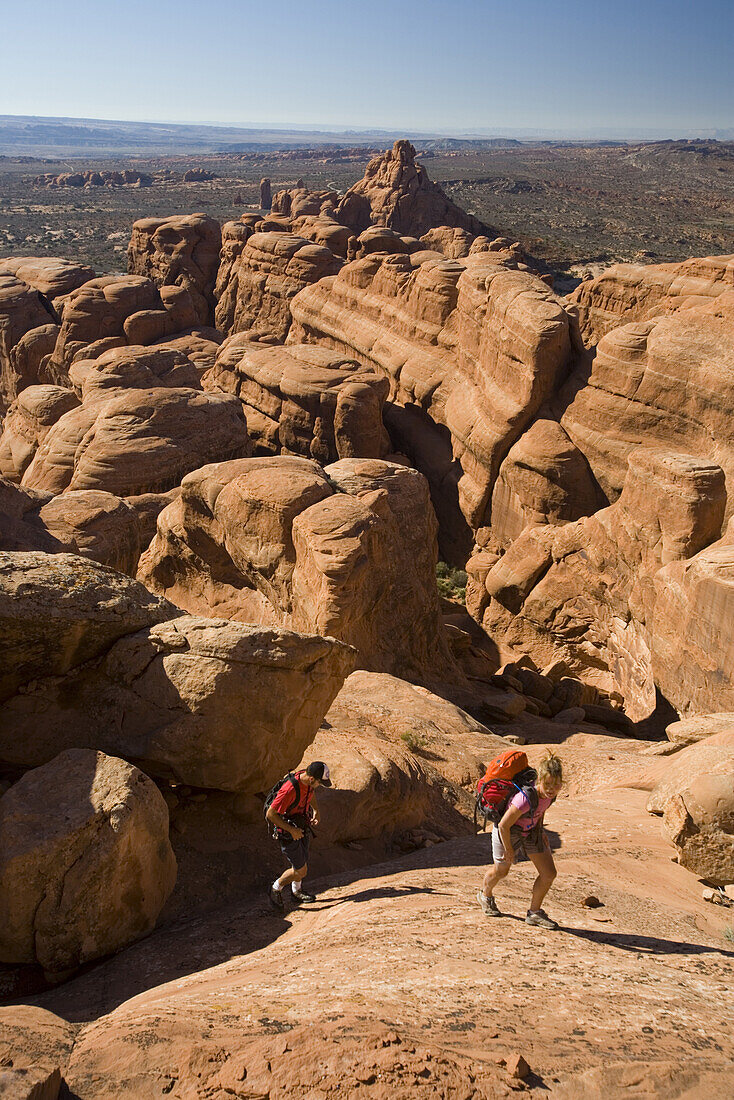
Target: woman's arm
511,815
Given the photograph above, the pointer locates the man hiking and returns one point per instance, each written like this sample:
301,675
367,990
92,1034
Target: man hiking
521,830
291,813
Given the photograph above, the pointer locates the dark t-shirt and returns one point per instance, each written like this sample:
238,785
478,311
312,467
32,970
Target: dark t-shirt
284,802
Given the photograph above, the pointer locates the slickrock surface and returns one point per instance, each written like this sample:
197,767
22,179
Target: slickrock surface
85,861
665,383
348,552
206,702
144,422
304,400
589,592
255,289
403,961
472,349
396,192
179,251
636,292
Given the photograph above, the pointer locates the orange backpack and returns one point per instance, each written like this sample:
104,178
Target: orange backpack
507,774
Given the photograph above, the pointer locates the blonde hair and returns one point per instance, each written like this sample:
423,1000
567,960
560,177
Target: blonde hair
550,767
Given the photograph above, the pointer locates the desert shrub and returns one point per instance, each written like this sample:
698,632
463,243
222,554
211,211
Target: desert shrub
451,582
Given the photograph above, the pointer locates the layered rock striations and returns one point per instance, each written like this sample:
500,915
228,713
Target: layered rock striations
472,349
303,400
347,552
179,251
637,292
666,383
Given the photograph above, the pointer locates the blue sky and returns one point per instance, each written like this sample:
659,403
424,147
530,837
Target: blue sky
431,65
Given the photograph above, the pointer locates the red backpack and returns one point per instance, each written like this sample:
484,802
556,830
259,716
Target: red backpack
507,774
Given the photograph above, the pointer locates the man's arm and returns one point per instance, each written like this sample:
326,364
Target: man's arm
511,815
314,810
275,819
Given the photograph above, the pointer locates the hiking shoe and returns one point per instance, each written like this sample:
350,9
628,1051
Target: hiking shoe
276,898
301,897
488,904
541,919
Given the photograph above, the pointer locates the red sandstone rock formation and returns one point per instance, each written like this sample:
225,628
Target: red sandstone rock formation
396,192
263,277
349,552
590,593
144,424
472,349
179,251
665,383
22,315
635,292
95,525
303,400
51,276
27,424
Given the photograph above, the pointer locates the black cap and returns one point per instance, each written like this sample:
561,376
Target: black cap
318,770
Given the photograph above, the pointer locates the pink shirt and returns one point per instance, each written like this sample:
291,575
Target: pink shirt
528,819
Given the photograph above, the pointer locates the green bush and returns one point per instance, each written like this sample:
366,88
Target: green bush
414,741
451,582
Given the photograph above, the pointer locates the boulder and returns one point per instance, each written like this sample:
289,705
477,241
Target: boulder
700,822
85,864
383,707
205,702
264,277
698,727
381,788
95,525
304,400
713,757
639,292
183,251
60,610
348,552
397,193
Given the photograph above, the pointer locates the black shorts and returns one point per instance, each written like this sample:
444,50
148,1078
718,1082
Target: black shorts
295,851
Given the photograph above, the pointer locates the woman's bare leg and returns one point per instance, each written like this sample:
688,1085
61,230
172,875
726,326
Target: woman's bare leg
547,872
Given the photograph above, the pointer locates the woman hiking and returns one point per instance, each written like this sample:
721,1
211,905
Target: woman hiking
521,830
